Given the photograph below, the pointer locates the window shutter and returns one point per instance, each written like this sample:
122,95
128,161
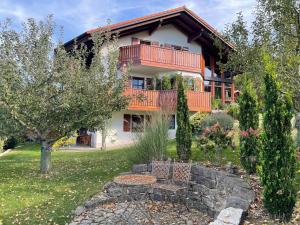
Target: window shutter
126,123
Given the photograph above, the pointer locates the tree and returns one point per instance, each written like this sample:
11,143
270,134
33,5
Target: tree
50,92
249,121
277,29
278,152
184,131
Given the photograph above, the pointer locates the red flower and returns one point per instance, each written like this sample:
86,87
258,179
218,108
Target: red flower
244,133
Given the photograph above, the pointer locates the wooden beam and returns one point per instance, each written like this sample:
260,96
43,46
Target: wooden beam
156,27
195,36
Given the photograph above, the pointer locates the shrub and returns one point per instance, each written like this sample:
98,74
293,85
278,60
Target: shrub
249,149
249,122
183,132
65,141
216,103
233,109
224,120
278,163
152,144
10,143
213,141
166,82
196,121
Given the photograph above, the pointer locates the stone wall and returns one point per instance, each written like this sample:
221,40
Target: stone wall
212,191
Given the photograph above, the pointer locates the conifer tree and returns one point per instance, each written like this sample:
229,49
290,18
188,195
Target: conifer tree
278,152
184,132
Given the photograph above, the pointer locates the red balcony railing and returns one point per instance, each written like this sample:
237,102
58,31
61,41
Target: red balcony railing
156,100
156,56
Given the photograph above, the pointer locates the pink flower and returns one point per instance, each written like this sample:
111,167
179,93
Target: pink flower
244,133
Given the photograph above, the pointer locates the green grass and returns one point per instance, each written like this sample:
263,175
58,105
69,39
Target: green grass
28,198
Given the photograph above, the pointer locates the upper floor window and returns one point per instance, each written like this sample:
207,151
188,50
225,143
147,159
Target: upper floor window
208,70
138,83
217,70
145,42
227,75
207,86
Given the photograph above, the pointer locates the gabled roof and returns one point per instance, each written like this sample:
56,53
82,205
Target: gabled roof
186,20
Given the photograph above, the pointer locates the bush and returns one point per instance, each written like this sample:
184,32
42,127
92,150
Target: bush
216,103
196,121
10,143
65,141
233,109
249,148
249,122
224,120
278,163
213,141
152,144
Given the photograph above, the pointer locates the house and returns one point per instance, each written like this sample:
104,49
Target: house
158,46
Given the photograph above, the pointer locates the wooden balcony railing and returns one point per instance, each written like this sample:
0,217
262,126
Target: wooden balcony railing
156,56
156,100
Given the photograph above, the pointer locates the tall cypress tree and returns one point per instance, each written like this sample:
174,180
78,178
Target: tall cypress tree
184,131
278,152
249,120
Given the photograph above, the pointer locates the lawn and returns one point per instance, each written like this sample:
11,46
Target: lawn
28,198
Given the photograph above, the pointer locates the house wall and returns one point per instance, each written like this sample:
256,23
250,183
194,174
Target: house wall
166,34
116,136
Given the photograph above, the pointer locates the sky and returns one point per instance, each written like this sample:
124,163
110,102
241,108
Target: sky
78,16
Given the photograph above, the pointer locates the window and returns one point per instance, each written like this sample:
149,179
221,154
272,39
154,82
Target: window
145,42
218,90
126,123
149,84
172,122
217,72
208,71
228,91
158,84
207,86
137,123
227,75
138,83
134,123
190,83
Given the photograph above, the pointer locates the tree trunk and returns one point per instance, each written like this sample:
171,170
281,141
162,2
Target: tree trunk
45,157
103,136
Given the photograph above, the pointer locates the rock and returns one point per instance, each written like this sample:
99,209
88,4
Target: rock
230,216
140,168
237,202
79,210
189,222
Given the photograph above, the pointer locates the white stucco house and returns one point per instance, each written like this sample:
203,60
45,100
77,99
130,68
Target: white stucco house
158,45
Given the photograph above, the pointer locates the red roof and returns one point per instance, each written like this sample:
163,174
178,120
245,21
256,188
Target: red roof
150,17
159,14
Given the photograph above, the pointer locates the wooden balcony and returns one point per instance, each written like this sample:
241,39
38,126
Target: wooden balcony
155,56
158,100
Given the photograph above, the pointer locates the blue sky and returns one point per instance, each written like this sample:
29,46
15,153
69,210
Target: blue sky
77,16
